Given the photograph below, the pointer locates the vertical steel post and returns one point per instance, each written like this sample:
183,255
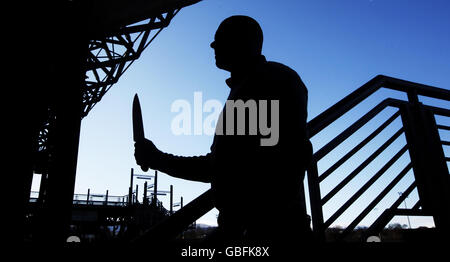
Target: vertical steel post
131,177
155,188
66,104
87,198
171,199
137,193
130,196
106,197
428,162
145,200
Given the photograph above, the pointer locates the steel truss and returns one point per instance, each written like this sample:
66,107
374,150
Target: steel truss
110,55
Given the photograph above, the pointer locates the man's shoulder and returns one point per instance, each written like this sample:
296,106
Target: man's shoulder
280,70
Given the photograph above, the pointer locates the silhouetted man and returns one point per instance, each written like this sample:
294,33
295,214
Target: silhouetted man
256,188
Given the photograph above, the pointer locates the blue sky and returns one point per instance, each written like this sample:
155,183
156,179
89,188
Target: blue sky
334,45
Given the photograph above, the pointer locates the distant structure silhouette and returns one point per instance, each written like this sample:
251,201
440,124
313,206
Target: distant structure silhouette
254,187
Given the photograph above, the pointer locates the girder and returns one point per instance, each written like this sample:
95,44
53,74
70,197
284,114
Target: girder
119,31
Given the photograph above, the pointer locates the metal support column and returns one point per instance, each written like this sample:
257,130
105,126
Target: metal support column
67,81
155,189
137,193
131,178
145,200
429,164
88,196
171,199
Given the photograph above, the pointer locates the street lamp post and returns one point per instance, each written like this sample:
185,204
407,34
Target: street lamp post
406,207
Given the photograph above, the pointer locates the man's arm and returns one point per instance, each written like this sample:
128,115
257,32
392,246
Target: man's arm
197,168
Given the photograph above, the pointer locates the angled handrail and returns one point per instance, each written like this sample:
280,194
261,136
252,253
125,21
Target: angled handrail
355,126
347,103
173,225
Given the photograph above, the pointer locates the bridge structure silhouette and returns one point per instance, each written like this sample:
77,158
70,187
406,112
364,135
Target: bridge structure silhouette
85,46
105,37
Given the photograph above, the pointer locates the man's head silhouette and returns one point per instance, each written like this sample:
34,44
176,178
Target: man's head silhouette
238,40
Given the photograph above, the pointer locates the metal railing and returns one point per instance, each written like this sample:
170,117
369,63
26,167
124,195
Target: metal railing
427,161
103,199
419,129
90,199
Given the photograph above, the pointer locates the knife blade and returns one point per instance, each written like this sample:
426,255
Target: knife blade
138,124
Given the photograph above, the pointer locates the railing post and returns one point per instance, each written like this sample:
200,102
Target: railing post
87,198
413,98
145,200
171,199
137,193
315,201
106,197
131,177
429,164
130,196
155,189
